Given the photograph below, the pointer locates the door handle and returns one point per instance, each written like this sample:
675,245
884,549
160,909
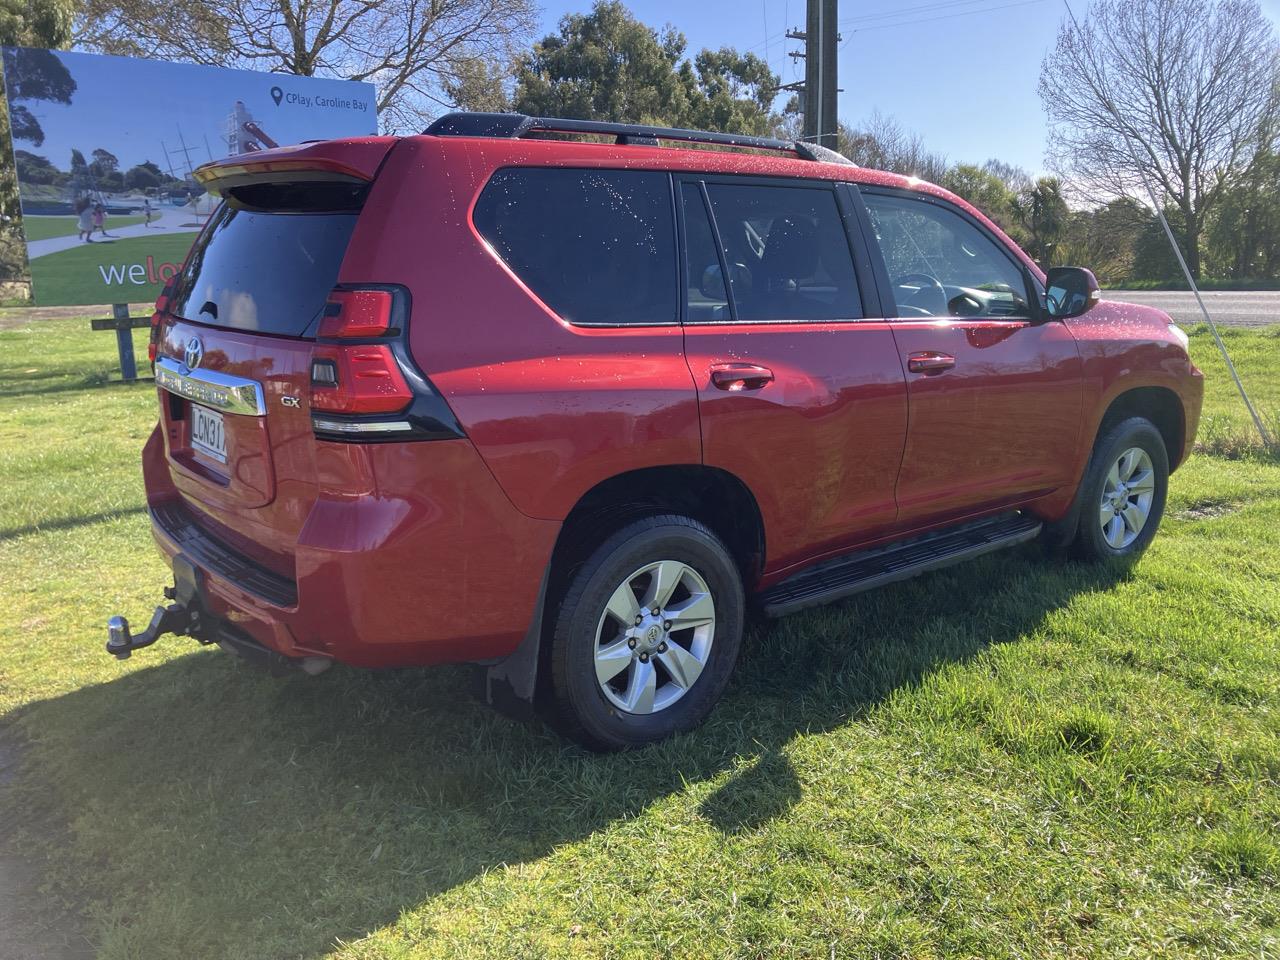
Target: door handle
930,362
736,377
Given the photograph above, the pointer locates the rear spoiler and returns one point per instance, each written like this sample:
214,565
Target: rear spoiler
354,160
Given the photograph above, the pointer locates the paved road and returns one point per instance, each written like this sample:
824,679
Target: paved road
1228,308
169,220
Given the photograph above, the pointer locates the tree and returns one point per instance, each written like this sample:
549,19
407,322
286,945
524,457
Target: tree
1043,214
33,168
33,75
1103,239
1171,91
1244,231
104,163
35,24
607,65
988,193
412,49
730,91
145,176
478,84
884,145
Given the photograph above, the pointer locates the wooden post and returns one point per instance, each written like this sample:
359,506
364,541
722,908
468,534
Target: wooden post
123,325
124,342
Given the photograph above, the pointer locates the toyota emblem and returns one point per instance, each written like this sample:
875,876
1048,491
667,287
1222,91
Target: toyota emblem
194,353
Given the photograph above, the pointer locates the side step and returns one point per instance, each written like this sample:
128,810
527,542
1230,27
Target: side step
866,569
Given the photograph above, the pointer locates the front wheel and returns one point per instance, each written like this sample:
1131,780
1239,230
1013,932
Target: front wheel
1123,492
647,634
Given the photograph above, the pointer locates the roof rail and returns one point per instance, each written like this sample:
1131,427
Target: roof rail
513,126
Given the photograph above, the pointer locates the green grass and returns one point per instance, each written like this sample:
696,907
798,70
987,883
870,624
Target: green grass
1014,758
45,228
72,276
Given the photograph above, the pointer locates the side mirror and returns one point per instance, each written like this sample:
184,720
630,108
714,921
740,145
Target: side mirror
1070,291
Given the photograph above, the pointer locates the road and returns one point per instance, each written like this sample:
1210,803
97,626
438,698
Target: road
168,220
1233,308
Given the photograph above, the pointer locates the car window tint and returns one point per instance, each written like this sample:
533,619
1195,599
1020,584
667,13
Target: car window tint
596,246
787,253
942,265
707,299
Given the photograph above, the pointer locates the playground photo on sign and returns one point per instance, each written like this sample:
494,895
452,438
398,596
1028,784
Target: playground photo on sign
104,149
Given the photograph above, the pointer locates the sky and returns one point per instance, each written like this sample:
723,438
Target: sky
960,73
138,109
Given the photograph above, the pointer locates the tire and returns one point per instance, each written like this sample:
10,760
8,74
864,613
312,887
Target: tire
1129,466
668,677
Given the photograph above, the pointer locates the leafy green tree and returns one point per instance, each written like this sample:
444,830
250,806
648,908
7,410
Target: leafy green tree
34,74
479,84
1153,258
145,176
33,168
607,65
1103,239
104,162
36,23
1043,214
729,91
1243,240
986,191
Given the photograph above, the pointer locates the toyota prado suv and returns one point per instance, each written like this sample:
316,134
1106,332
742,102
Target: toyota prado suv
569,408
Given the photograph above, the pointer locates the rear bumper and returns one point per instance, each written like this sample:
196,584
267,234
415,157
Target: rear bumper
434,565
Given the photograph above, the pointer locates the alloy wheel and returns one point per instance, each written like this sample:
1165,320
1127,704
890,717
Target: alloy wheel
1127,495
654,637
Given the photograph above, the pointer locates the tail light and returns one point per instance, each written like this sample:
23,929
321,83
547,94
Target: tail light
355,373
161,308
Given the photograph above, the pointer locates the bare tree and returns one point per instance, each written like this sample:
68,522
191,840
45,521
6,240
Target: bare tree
884,144
1173,91
411,49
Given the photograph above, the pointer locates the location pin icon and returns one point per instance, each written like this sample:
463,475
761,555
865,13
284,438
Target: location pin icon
277,95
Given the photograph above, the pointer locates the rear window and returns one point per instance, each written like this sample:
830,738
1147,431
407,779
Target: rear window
596,246
264,271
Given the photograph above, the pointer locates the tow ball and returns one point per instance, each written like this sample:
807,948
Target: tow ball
183,617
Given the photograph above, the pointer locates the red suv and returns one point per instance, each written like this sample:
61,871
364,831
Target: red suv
565,407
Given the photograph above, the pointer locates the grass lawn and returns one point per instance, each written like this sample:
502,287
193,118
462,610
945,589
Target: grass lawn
1014,758
44,228
74,276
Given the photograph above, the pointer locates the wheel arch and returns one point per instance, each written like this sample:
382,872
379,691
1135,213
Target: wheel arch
1161,406
715,497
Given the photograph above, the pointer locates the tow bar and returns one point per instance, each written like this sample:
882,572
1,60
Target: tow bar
187,617
183,617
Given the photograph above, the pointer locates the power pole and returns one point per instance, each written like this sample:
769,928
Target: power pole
818,92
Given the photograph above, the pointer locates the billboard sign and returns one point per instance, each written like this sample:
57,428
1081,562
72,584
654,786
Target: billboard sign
104,148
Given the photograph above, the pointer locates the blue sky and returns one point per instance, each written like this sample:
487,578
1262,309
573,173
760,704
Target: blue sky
137,108
961,74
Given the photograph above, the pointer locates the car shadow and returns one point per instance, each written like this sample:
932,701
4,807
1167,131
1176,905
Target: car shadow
308,810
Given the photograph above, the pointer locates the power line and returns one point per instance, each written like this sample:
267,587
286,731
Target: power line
945,16
904,11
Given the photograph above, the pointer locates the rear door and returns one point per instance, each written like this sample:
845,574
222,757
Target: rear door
994,388
234,357
800,388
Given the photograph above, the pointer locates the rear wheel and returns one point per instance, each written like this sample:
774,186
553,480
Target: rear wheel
1123,493
647,634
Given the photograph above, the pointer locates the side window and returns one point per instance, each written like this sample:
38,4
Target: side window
596,246
941,265
787,253
707,299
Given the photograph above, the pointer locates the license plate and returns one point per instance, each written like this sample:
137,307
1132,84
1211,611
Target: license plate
207,434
